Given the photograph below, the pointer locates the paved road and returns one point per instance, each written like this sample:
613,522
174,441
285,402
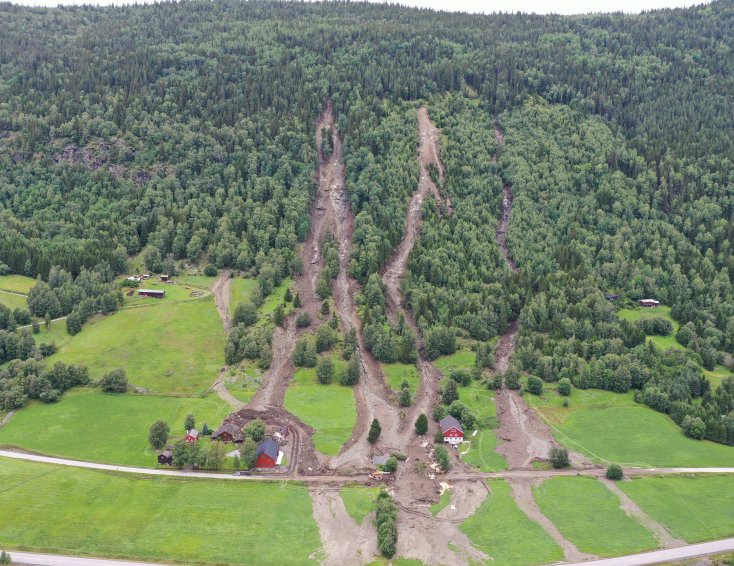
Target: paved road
655,557
661,556
511,474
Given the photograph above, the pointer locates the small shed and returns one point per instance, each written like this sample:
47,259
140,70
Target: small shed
164,277
228,433
192,435
155,293
611,297
451,429
166,457
268,453
649,303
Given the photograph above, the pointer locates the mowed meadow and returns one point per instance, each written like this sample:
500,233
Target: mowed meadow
95,513
611,427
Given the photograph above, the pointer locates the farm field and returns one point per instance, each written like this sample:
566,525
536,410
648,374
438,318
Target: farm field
611,427
397,372
481,448
106,514
240,292
589,515
329,409
170,348
442,502
359,501
12,300
482,452
16,283
662,342
694,509
502,531
99,427
462,358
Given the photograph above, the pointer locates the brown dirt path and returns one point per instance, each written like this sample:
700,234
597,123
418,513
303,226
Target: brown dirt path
344,541
664,536
523,495
371,394
222,290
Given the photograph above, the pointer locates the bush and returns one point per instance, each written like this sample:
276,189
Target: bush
4,556
694,427
439,412
535,385
450,393
303,319
614,472
564,387
375,431
245,313
405,398
421,424
255,430
114,382
248,454
158,434
210,270
443,459
385,517
559,458
325,370
350,375
461,376
391,465
512,378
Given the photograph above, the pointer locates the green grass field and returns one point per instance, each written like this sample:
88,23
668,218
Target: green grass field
171,348
611,427
482,452
693,508
329,409
156,519
200,281
589,515
501,530
89,425
359,501
717,375
397,372
462,358
13,301
16,283
442,502
240,292
662,342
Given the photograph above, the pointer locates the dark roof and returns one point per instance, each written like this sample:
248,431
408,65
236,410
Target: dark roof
449,422
380,460
611,296
230,428
270,448
168,452
153,291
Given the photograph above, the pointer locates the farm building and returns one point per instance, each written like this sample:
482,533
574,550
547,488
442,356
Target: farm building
228,433
166,457
192,435
268,454
451,429
155,293
164,278
380,460
611,297
649,303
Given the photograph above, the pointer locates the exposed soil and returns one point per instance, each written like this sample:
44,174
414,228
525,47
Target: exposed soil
523,495
344,541
222,290
664,536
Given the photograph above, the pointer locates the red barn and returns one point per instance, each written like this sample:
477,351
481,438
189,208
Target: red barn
451,429
649,303
192,435
267,453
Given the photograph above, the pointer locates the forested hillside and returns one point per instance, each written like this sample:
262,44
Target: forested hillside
184,132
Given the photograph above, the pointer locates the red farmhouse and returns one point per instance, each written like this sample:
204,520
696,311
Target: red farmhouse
267,453
451,429
192,435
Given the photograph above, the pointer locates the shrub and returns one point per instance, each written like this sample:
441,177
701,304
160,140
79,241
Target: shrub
255,430
405,398
564,387
385,517
114,382
210,270
443,459
421,424
614,472
4,556
375,431
245,313
303,319
391,465
694,427
461,376
158,434
248,454
559,458
350,375
325,370
512,378
535,385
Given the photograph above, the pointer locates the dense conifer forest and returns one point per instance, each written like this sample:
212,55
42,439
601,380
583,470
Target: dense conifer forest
185,132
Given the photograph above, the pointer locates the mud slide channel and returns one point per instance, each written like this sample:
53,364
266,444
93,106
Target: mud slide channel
344,541
523,495
428,153
664,536
525,436
371,394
